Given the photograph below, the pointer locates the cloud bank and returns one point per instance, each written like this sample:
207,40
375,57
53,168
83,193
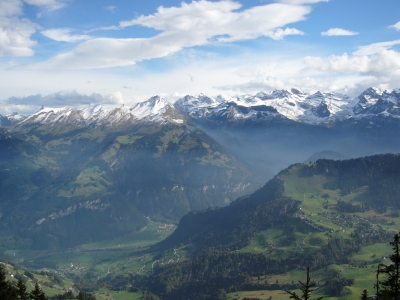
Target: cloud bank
195,24
65,98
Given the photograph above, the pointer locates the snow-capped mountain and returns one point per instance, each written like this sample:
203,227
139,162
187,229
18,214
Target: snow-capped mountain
285,104
295,105
156,109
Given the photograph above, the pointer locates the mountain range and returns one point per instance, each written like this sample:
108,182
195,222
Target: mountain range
64,170
295,105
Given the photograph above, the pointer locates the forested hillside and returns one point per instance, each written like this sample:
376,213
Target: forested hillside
317,215
59,179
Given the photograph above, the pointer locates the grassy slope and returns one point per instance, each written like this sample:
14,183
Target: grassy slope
310,191
50,287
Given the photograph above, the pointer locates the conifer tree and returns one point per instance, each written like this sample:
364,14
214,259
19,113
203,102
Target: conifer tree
364,295
21,290
37,293
391,285
306,289
7,291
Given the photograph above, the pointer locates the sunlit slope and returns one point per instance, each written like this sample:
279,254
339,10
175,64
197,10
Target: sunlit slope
322,194
342,217
51,282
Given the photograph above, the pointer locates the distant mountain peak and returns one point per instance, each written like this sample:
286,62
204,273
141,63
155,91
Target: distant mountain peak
293,104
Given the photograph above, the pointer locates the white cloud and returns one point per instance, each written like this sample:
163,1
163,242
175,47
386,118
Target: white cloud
16,32
380,69
396,26
47,5
10,8
64,35
376,47
205,20
15,36
280,33
379,64
339,64
195,24
338,32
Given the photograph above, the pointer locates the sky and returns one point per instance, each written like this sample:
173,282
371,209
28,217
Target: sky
58,53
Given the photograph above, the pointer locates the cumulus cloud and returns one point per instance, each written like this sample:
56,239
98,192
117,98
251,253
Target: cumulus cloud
194,24
64,35
15,36
396,26
10,8
16,32
376,59
338,32
65,98
371,65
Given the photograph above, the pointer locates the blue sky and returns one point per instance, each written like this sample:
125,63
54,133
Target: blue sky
118,51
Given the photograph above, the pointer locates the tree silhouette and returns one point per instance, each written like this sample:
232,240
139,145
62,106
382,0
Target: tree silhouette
390,287
21,290
306,289
38,294
364,295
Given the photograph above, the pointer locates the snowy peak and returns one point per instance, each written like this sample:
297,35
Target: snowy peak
155,105
367,99
188,102
156,109
294,104
376,102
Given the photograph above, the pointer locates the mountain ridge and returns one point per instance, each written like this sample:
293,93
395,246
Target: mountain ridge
319,108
